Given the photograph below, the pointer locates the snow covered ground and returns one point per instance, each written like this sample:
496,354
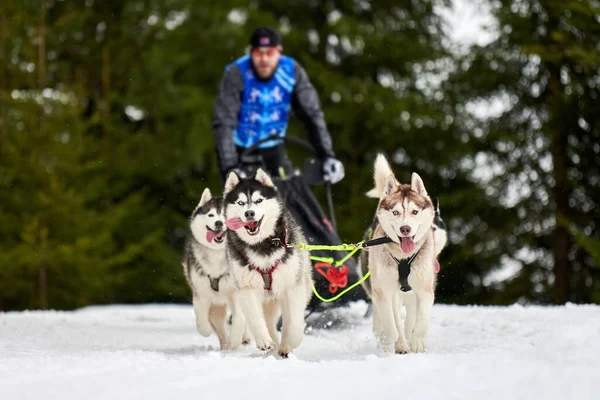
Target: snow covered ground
154,352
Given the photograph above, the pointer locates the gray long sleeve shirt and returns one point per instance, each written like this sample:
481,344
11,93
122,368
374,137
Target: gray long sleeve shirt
305,105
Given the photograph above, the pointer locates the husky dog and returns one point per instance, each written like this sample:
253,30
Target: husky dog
273,279
403,272
207,273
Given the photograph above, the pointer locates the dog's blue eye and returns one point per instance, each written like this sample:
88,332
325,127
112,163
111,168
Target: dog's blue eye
258,201
240,203
395,212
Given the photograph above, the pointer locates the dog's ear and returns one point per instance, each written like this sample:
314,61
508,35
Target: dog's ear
416,184
231,182
263,178
381,172
206,196
390,185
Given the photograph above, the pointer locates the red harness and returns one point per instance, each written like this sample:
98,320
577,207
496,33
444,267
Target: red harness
268,275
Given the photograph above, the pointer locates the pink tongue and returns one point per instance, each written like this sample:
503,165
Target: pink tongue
211,235
236,223
436,265
251,225
407,245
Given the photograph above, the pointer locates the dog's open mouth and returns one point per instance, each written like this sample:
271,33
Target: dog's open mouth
216,236
407,243
253,227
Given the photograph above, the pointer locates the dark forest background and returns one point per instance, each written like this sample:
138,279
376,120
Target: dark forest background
105,141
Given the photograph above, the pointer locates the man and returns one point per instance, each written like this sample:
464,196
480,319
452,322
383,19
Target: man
255,97
256,94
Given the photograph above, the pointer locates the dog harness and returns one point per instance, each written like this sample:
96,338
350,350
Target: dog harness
404,271
268,275
214,282
403,265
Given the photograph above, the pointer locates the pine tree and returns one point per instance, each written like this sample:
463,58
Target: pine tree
542,151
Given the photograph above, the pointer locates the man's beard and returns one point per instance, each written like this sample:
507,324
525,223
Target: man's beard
263,77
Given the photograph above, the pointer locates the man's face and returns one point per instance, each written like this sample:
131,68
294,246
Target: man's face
265,60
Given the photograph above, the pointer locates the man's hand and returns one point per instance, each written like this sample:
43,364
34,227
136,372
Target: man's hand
333,170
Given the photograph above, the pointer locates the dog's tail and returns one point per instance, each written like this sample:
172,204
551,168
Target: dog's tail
381,172
440,231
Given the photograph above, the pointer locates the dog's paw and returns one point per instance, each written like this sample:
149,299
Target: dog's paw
417,345
284,353
284,350
265,344
204,328
246,340
401,348
232,345
223,344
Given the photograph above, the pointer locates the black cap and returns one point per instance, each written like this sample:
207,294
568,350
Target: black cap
265,37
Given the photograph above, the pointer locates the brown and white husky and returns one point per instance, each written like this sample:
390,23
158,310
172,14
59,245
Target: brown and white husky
403,272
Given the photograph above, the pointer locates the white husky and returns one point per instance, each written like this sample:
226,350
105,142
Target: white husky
272,278
403,272
206,270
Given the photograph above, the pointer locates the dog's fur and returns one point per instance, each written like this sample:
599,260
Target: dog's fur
205,260
291,287
401,206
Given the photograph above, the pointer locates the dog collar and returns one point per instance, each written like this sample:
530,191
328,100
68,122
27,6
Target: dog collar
277,241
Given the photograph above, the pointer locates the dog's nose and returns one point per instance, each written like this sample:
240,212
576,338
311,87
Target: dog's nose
405,230
249,214
219,224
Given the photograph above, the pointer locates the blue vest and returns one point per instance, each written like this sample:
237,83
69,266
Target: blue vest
265,105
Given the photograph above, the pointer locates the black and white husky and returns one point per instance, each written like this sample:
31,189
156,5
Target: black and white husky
207,272
272,278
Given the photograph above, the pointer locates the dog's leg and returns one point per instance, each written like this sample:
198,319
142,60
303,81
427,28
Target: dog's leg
272,313
251,301
238,323
376,323
217,316
201,308
410,302
386,332
401,345
424,305
292,332
377,327
247,338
